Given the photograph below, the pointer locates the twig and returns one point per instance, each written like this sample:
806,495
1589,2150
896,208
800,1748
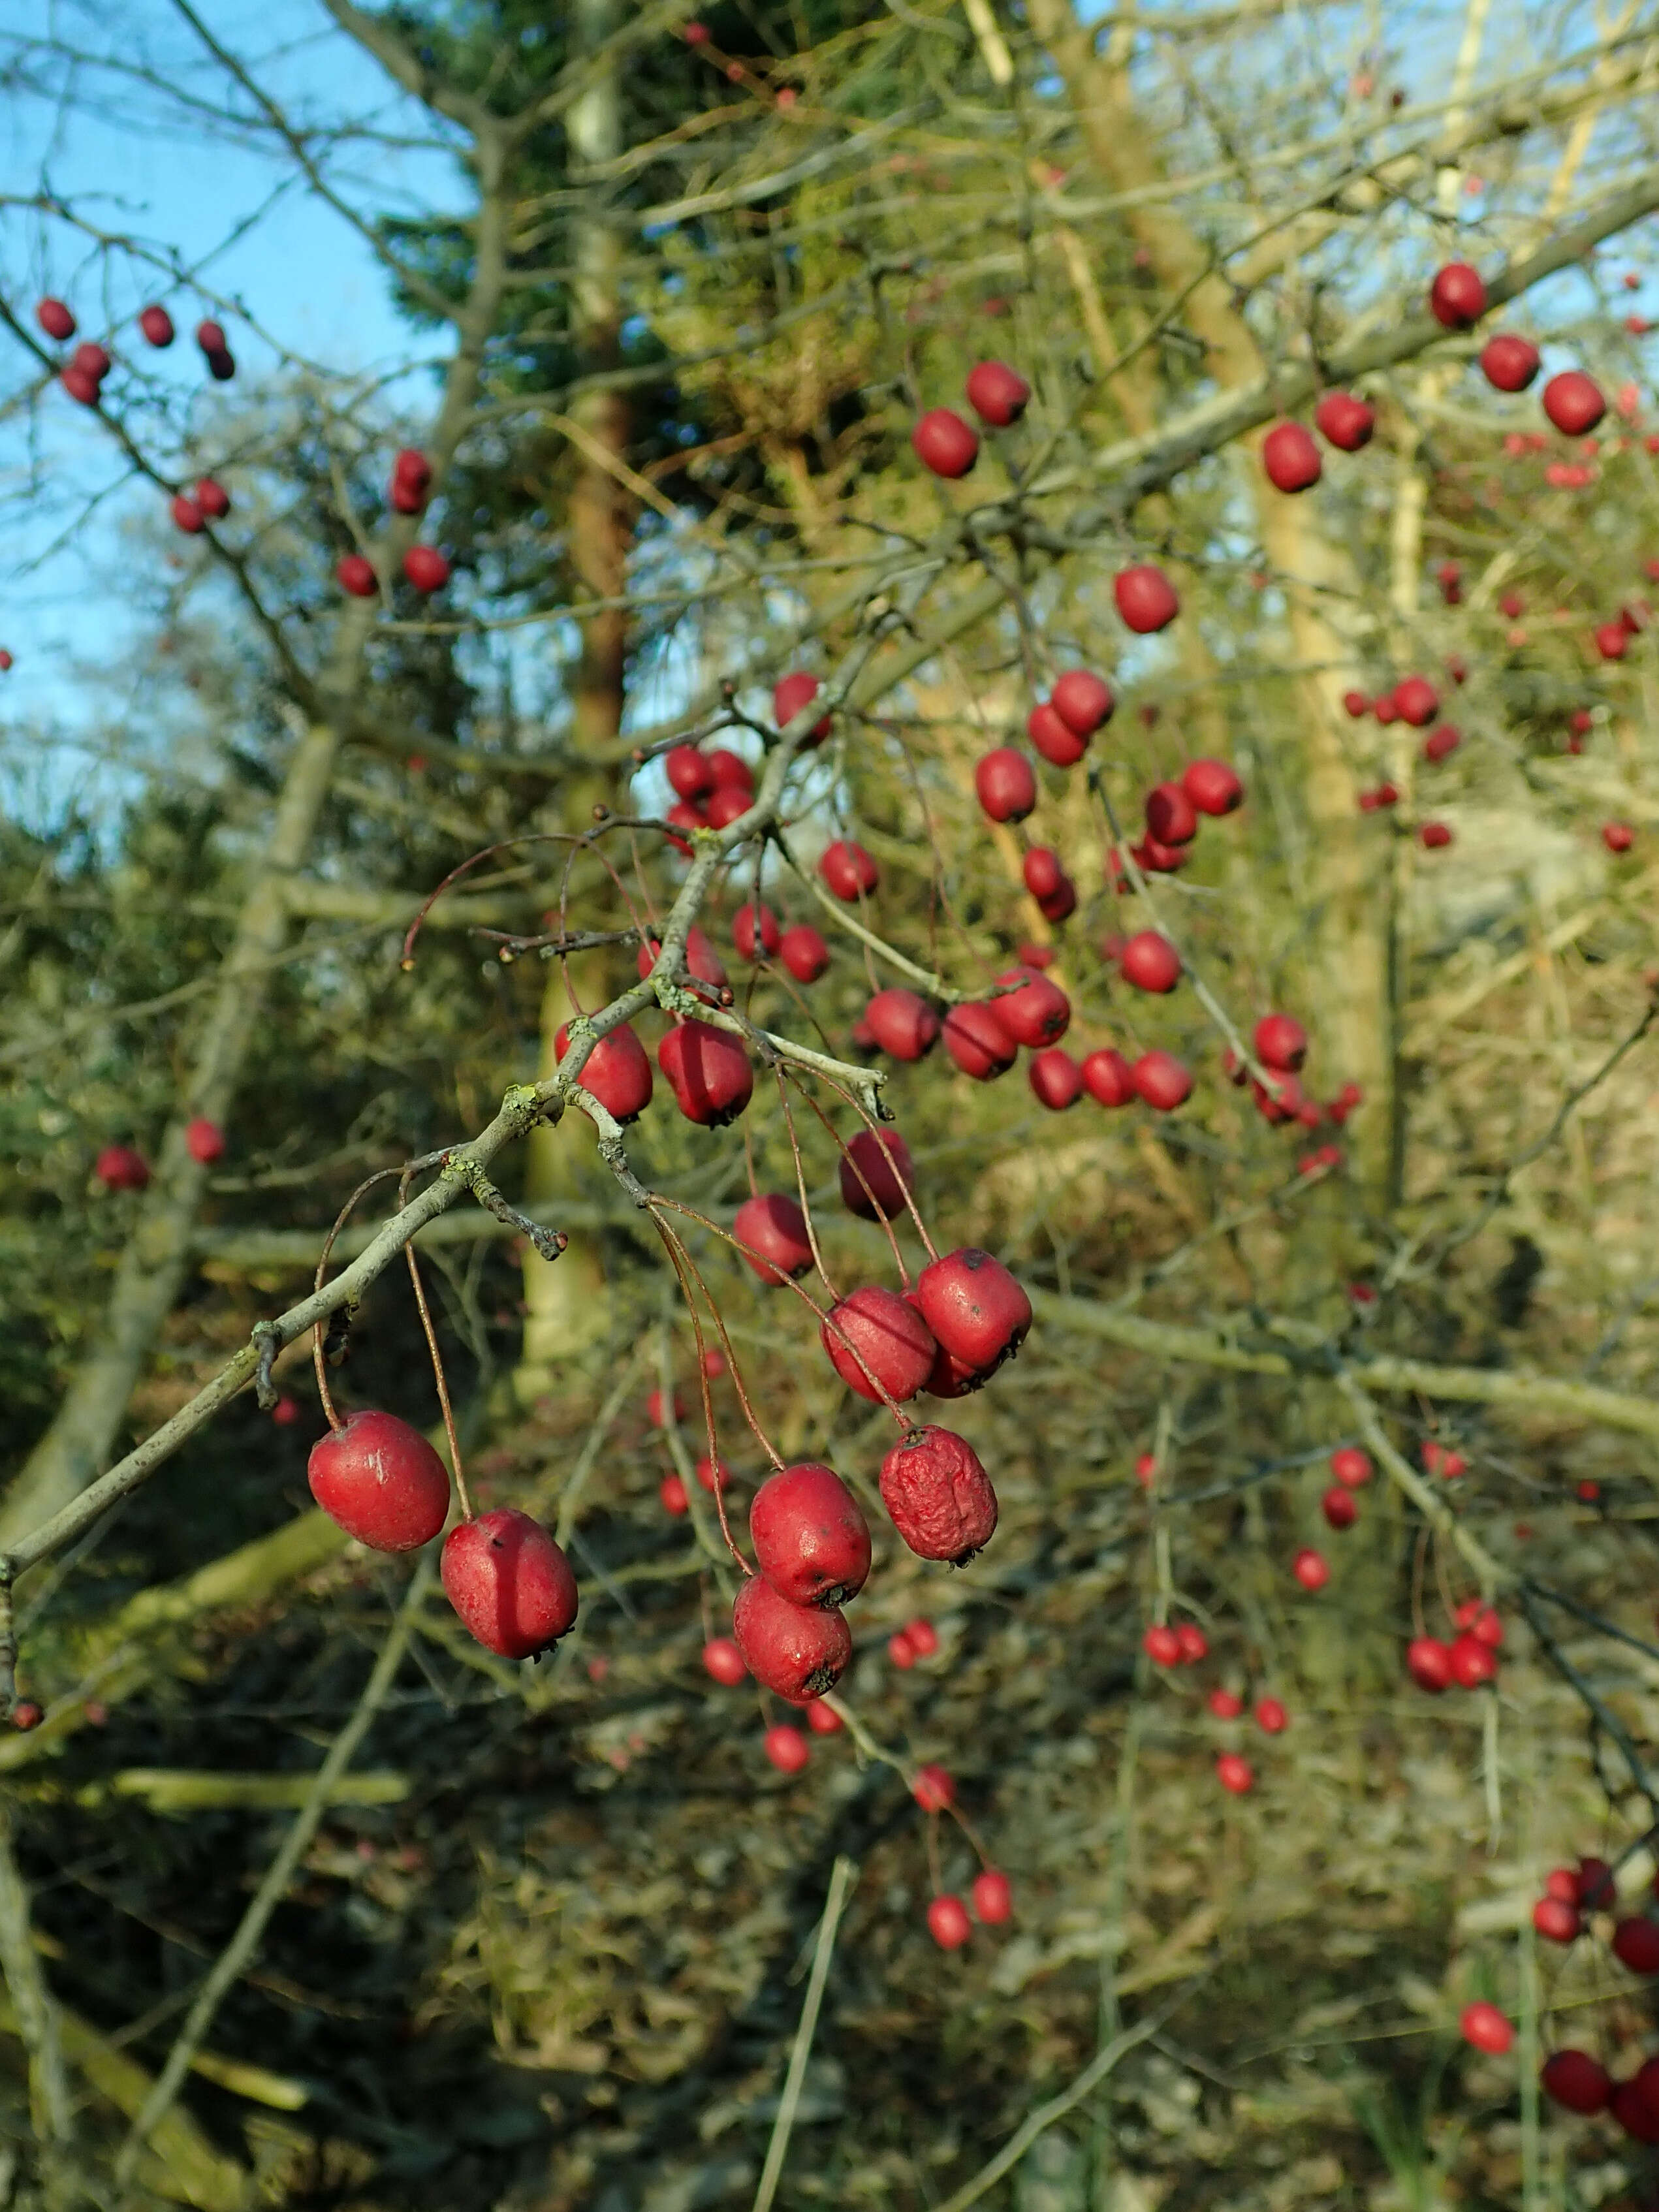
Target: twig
242,1946
32,2002
841,1882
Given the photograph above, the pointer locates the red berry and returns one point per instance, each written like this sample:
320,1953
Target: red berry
998,394
1311,1568
1225,1705
1056,1079
1340,1509
654,1412
25,1715
1235,1774
1574,2080
1162,1646
1573,401
1471,1662
91,360
797,1651
616,1073
822,1719
1595,1885
1006,784
709,1072
55,320
213,498
1194,1644
1282,1043
1149,962
773,1231
1058,745
690,774
812,1541
1162,1081
1291,458
1171,817
1042,871
210,337
186,515
510,1581
938,1496
1508,363
787,1749
1082,701
847,869
1351,1466
1145,598
902,1023
1434,837
1457,297
381,1480
744,925
712,1474
975,1310
1562,1882
948,1923
789,696
1035,1012
1108,1078
356,577
1416,701
876,1172
721,1656
803,952
1345,422
1618,836
1555,1920
977,1042
945,443
933,1789
205,1140
878,1343
901,1651
671,1490
1486,2027
1440,743
1430,1663
993,1902
1271,1716
426,568
1636,1945
1212,787
285,1412
80,387
924,1637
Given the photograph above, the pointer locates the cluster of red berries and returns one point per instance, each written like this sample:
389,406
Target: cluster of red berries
423,565
123,1167
1573,2078
83,376
1469,1659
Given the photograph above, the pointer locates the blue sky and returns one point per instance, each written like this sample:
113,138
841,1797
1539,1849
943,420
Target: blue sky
128,160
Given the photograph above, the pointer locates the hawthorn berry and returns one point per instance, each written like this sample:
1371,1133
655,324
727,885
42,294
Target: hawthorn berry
1162,1081
976,1041
1575,2082
1171,817
1339,1508
1487,2028
1429,1663
1311,1568
1082,701
616,1073
510,1581
948,1923
1457,297
1508,363
878,1344
671,1490
25,1715
708,1070
1145,597
1351,1466
724,1661
945,443
380,1480
811,1540
690,776
847,869
902,1023
876,1172
1056,1079
1271,1716
933,1788
993,1902
426,568
1555,1920
1162,1646
749,920
1006,784
205,1140
1345,421
822,1719
998,394
787,1748
901,1650
1212,787
355,577
1235,1775
939,1495
1574,403
1194,1644
1058,744
55,318
974,1307
1151,963
772,1229
1225,1705
1291,458
796,1651
789,696
803,952
1108,1078
1636,1945
1282,1043
1035,1012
